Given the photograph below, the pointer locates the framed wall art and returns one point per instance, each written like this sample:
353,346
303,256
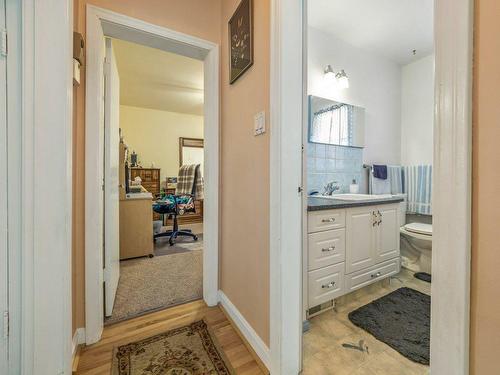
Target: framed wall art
240,40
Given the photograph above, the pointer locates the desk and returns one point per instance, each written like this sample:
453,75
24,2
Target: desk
136,228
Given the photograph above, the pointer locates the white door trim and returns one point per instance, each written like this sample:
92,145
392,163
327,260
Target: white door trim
4,227
452,191
287,92
131,29
45,160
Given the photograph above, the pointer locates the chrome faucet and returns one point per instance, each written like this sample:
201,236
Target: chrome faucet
331,188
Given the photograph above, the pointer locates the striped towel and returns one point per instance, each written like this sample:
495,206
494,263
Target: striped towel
379,186
392,185
395,176
190,182
418,187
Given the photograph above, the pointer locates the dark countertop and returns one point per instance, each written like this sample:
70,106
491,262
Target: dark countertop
318,203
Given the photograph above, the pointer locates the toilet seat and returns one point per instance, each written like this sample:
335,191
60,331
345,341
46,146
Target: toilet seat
419,228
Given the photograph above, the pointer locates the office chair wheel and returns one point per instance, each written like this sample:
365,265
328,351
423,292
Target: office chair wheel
195,238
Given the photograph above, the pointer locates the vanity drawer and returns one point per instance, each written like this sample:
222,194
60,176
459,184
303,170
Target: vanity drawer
325,220
325,284
326,248
370,275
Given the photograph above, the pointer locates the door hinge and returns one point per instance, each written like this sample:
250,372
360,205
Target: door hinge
3,42
300,189
5,324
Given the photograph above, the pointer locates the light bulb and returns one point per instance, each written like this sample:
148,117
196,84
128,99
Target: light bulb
329,74
342,80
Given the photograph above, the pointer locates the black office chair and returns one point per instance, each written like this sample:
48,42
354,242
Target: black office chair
173,206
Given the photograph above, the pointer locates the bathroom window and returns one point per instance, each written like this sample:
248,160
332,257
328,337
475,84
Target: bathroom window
332,125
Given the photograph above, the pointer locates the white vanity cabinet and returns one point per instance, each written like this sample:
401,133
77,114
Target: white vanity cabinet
372,236
360,238
387,233
350,248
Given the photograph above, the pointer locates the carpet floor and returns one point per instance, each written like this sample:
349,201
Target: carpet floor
181,245
149,284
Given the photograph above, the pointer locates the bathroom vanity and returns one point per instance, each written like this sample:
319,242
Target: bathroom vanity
350,244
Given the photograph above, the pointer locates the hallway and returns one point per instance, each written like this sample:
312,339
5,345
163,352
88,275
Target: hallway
96,359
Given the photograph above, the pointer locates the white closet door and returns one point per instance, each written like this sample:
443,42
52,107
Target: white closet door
111,179
4,261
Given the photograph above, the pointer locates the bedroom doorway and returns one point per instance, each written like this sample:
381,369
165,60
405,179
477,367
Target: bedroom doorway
159,146
153,206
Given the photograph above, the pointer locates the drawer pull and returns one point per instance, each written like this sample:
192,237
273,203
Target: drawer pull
329,285
375,275
330,220
328,249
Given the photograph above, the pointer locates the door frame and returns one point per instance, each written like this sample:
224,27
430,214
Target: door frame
451,196
127,28
41,227
4,206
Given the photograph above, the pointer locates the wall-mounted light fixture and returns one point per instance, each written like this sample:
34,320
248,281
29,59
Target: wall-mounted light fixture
340,78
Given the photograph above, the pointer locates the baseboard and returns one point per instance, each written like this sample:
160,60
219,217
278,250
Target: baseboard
251,337
78,341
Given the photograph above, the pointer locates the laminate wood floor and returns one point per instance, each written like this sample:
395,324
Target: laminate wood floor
323,353
96,359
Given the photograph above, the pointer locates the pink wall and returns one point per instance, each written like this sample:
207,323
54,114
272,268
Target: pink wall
245,177
485,308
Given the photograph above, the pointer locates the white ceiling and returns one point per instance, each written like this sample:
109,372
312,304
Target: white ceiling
152,78
390,28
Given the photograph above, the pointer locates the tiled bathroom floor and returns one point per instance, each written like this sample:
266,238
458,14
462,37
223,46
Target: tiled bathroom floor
323,353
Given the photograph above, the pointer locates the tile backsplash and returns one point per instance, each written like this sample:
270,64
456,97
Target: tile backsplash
326,163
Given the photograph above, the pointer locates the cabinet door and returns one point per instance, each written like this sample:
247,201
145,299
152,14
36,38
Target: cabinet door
360,238
387,241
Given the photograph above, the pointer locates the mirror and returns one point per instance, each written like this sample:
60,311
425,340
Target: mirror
336,123
191,152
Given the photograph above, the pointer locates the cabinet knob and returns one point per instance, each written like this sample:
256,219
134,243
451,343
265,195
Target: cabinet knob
330,220
375,275
329,285
325,250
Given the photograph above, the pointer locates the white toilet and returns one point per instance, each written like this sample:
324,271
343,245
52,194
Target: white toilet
416,244
416,247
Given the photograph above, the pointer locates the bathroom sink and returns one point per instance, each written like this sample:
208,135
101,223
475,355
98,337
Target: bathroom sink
355,197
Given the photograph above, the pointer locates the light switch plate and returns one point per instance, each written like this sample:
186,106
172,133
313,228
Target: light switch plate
259,123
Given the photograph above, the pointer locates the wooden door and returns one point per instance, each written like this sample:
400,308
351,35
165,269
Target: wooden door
360,238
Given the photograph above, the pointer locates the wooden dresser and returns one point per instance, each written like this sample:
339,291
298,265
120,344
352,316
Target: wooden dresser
150,179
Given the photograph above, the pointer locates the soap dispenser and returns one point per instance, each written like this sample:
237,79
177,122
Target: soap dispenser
354,187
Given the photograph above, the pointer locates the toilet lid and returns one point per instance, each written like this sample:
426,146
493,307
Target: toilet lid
419,228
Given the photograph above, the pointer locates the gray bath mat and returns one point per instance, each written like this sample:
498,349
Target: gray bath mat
400,319
424,276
